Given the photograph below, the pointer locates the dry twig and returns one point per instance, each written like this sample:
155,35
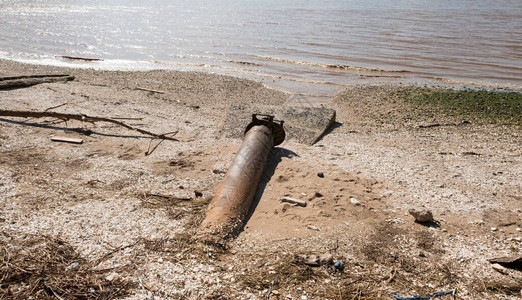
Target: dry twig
80,117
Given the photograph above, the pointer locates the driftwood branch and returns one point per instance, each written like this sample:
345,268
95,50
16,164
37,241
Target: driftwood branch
25,81
80,58
79,117
149,90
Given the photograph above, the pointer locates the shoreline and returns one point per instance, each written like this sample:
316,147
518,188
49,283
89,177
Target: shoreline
98,199
300,90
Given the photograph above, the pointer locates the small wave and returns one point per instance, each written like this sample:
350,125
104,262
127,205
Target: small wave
103,64
176,63
328,66
240,71
380,76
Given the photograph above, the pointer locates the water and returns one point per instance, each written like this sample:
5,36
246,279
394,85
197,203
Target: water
311,48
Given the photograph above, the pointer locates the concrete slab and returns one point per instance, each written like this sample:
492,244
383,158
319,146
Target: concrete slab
304,124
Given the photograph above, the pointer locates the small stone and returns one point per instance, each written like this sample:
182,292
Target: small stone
181,187
319,195
320,174
339,266
421,215
499,268
518,229
312,227
72,266
275,292
111,276
494,228
478,222
198,194
355,202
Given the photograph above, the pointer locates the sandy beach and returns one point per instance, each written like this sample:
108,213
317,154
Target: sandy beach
104,219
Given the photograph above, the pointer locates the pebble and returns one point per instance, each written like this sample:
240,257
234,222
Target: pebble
111,276
355,202
494,228
312,227
421,215
320,174
72,266
499,268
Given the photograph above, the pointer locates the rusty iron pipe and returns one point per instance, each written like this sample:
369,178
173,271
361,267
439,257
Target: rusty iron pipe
234,194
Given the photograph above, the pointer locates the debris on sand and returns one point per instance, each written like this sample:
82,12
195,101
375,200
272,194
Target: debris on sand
316,260
66,140
295,201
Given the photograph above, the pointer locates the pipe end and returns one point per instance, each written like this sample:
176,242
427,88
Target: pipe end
268,120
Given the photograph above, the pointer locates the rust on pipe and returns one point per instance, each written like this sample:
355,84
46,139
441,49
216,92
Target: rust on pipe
234,194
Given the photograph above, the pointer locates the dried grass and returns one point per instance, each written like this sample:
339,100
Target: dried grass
288,273
43,267
176,207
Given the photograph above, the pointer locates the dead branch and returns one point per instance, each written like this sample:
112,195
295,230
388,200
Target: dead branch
79,117
54,107
149,90
167,197
25,81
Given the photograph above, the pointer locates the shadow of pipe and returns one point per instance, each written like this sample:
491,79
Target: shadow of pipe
276,156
